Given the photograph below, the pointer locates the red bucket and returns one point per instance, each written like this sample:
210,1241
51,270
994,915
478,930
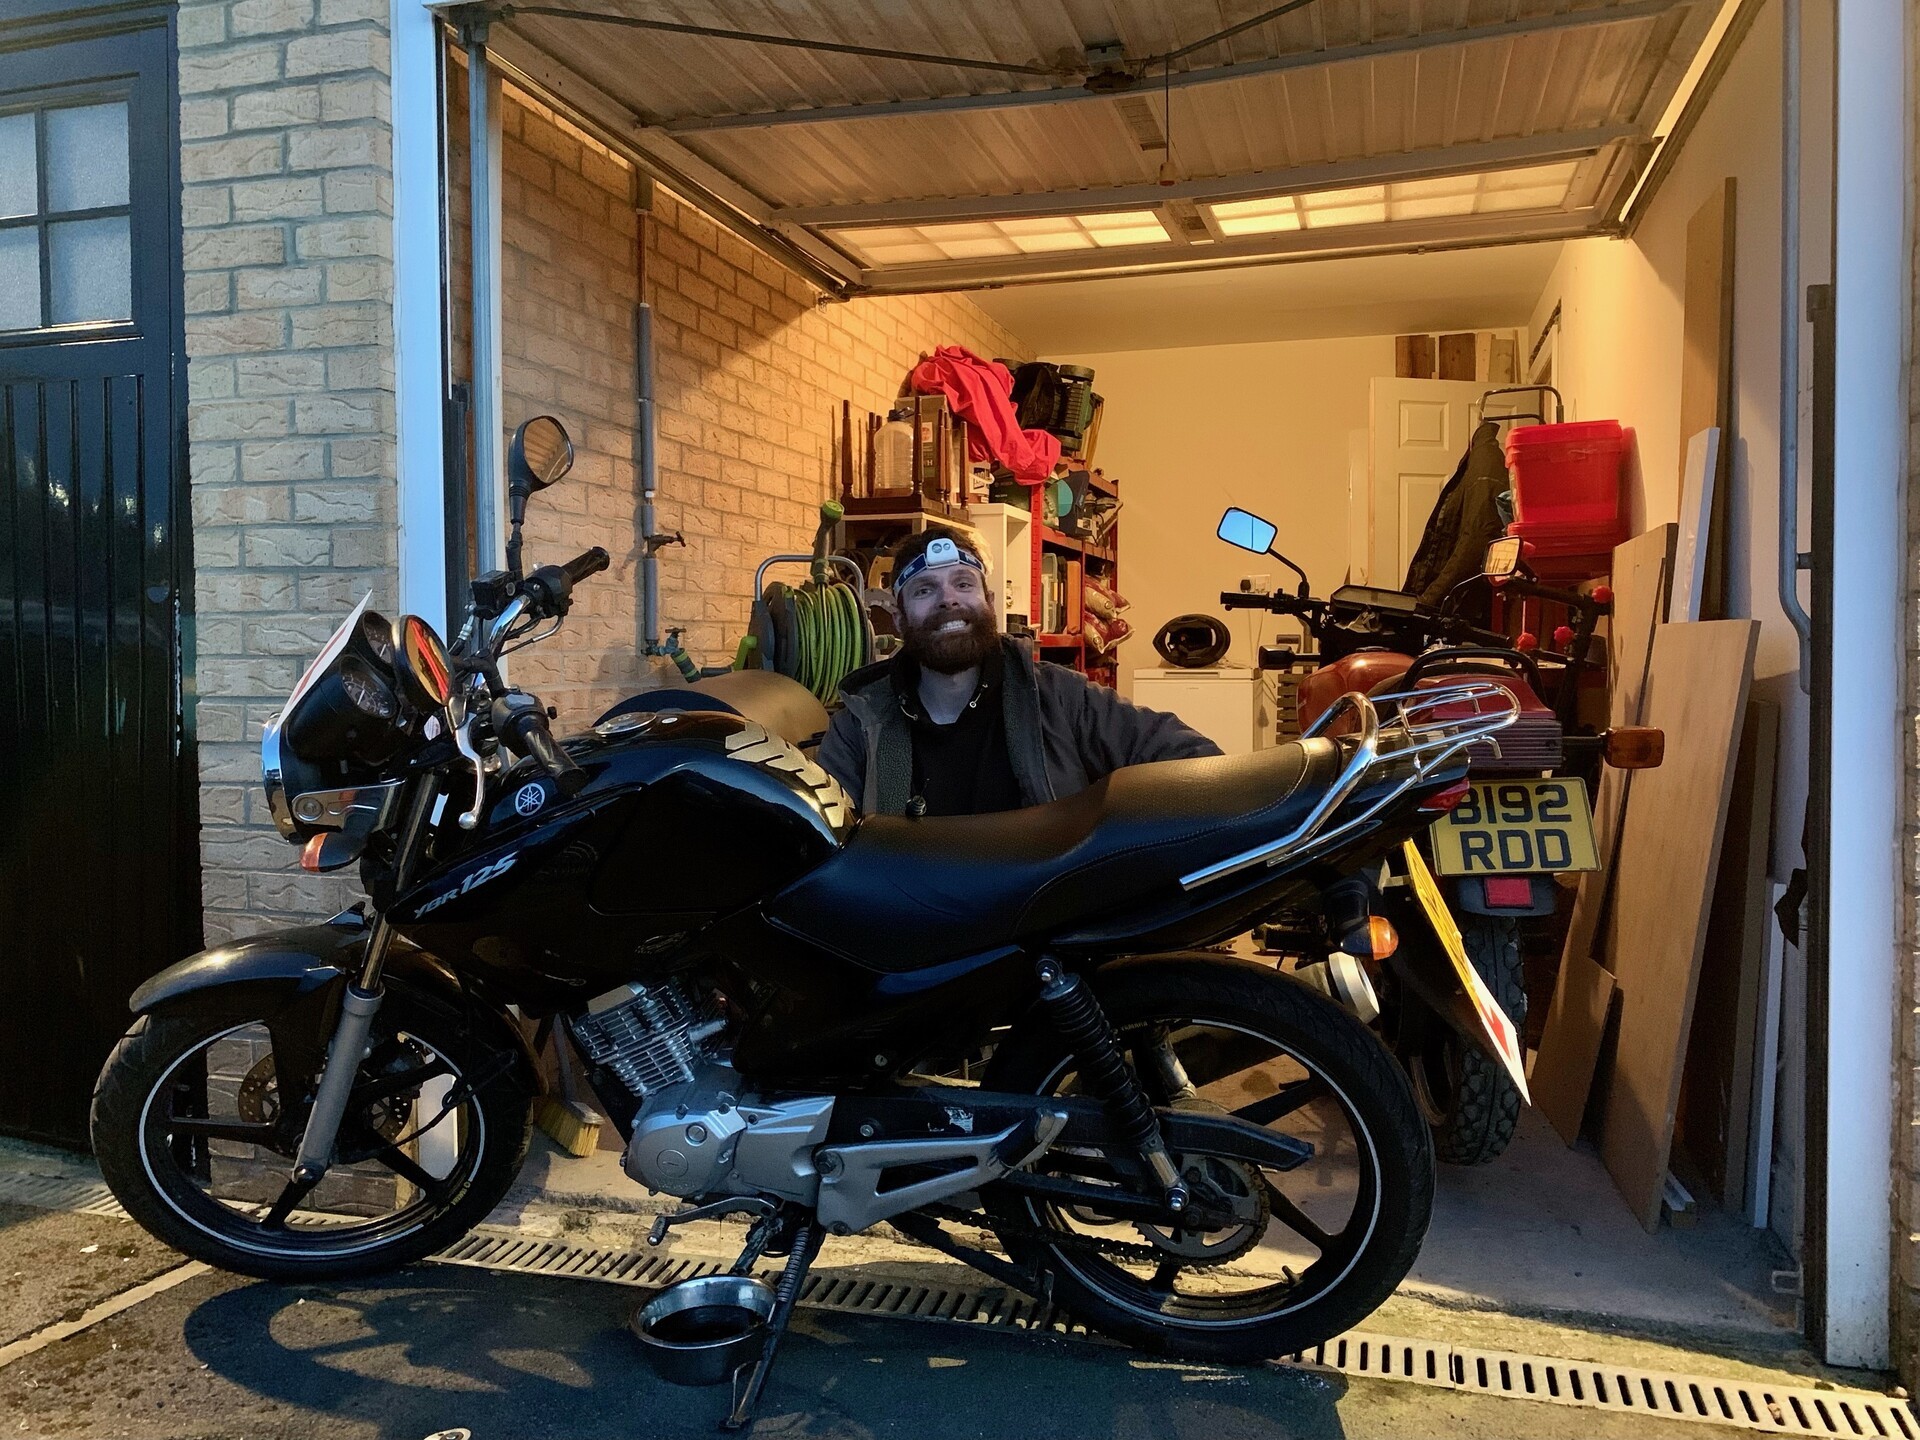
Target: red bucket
1568,485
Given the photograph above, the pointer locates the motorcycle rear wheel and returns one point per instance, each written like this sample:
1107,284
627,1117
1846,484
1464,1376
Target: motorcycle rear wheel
1324,1078
198,1163
1469,1100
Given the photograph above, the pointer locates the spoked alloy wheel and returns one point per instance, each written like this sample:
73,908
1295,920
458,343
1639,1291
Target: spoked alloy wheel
195,1136
1309,1251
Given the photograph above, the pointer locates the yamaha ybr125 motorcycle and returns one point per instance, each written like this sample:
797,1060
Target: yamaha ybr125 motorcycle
1188,1152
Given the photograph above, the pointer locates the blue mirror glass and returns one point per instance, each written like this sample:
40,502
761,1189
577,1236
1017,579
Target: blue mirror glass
1247,530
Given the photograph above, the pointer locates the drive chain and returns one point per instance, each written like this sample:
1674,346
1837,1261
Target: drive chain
1047,1235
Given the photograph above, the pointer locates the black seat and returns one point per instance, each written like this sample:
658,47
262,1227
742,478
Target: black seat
904,894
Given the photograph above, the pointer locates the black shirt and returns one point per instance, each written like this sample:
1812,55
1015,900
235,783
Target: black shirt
962,768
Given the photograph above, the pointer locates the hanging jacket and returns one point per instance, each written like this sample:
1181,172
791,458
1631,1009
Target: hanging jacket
1471,513
981,393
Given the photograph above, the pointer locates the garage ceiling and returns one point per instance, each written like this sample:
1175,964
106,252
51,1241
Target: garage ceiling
1019,140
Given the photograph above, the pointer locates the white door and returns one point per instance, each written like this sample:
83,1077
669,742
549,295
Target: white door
1359,510
1420,431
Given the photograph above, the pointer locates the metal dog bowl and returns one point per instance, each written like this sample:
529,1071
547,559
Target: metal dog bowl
699,1332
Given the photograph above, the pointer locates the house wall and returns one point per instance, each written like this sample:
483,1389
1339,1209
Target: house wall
286,204
1187,432
750,370
289,244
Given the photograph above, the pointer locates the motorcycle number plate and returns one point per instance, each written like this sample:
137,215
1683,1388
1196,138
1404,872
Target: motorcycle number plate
1517,827
1496,1030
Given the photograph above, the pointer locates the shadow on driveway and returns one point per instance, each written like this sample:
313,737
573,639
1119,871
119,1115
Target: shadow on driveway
435,1348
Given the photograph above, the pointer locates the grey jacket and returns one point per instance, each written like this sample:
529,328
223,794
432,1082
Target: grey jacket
1063,733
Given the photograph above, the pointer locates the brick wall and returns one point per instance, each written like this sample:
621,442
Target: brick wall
750,370
286,206
1906,1149
287,209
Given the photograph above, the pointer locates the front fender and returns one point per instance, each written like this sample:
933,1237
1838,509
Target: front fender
305,971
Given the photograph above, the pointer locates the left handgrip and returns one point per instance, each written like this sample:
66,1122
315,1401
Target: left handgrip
589,562
519,720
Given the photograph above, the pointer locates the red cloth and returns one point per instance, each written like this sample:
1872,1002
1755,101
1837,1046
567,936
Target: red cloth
981,393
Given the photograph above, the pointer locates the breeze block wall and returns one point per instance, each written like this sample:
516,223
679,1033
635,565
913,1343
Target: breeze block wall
286,206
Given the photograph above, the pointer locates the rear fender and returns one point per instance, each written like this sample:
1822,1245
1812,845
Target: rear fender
293,981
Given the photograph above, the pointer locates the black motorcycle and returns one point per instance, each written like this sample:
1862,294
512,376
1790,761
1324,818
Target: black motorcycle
1187,1151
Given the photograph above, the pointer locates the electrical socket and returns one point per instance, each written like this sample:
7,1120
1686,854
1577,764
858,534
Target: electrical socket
1260,584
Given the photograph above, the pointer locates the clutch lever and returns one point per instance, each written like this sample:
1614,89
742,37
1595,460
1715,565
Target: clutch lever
463,742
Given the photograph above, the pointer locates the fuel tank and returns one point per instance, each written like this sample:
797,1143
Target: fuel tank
1362,671
686,816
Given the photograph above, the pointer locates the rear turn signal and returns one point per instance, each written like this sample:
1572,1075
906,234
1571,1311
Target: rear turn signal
1636,747
1442,801
1376,940
310,859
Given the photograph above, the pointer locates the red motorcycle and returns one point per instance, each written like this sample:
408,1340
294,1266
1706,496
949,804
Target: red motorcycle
1522,819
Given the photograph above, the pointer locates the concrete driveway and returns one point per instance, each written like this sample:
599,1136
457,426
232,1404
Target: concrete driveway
443,1349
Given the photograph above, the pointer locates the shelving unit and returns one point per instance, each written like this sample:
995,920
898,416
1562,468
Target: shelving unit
1103,561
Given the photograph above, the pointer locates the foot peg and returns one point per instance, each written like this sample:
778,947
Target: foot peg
735,1205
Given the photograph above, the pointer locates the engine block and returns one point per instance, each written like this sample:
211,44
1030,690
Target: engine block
651,1037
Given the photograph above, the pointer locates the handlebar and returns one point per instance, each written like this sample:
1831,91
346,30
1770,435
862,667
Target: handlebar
522,724
551,586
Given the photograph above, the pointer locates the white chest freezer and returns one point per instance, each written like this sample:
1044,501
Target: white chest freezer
1222,702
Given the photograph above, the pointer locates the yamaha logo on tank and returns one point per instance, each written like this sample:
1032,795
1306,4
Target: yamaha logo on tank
530,797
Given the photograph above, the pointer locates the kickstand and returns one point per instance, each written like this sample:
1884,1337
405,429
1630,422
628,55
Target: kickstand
806,1245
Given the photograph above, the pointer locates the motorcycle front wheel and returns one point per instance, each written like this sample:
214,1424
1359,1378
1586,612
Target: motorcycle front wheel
1315,1249
189,1134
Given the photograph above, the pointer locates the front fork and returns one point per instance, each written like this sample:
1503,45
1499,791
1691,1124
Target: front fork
353,1034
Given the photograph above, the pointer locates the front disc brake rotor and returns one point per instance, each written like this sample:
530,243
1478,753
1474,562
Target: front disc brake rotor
259,1102
1232,1185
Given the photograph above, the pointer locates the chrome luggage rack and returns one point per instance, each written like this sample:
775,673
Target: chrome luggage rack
1415,735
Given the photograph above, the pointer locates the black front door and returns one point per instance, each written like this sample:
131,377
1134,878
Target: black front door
99,872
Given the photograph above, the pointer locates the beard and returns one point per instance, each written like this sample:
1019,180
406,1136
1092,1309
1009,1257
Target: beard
948,652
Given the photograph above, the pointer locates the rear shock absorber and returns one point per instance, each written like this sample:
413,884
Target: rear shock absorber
1104,1075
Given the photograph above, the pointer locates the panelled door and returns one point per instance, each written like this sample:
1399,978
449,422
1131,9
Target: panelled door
98,853
1420,431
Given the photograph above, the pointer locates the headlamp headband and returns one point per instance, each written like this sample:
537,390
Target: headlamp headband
940,552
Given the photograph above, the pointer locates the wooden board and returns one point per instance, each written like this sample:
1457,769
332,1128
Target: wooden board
1697,684
1641,573
1413,357
1717,1085
1459,357
1706,368
1576,1022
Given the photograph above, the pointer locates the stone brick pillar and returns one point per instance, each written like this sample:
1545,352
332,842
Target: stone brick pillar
287,202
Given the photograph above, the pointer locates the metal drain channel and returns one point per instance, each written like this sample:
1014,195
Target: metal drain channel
1658,1394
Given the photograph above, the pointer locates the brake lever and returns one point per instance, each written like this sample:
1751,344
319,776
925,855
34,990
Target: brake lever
463,742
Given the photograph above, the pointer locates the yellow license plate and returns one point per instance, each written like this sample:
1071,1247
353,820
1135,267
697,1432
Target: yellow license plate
1517,827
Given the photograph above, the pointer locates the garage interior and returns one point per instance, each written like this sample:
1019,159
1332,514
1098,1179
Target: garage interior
1282,241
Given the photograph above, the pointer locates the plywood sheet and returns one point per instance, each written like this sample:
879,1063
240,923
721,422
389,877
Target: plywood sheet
1706,368
1641,570
1413,357
1564,1066
1459,357
1576,1024
1697,683
1717,1085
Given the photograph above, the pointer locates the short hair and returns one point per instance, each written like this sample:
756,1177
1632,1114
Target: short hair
915,546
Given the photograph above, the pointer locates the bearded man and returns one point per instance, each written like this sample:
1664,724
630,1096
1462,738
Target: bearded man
965,720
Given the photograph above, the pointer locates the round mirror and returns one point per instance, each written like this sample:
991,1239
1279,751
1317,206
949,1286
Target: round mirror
540,454
421,665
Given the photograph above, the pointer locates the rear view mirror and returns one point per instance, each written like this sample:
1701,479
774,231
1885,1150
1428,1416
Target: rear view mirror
1503,558
1247,530
541,452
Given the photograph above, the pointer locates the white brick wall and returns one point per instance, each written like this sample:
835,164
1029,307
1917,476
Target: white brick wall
286,202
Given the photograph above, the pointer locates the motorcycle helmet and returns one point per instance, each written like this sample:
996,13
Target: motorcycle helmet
1193,642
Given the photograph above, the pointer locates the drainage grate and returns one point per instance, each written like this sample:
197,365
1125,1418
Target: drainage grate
847,1294
1657,1394
60,1192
